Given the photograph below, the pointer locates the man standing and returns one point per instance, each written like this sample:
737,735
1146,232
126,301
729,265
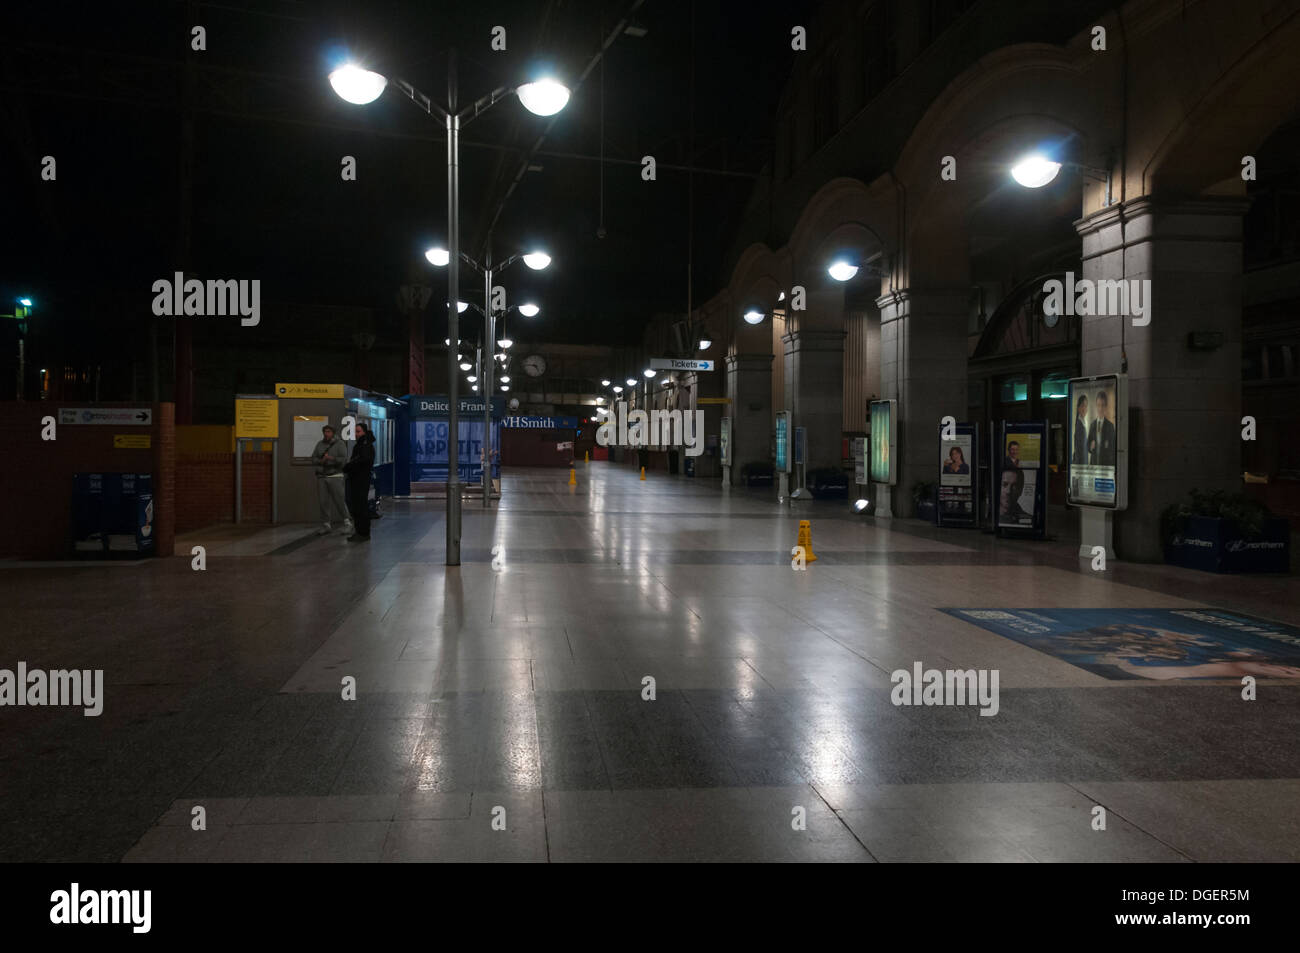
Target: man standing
1080,454
329,457
1101,439
358,471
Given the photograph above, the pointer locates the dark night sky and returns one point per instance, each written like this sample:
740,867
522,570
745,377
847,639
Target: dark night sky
101,92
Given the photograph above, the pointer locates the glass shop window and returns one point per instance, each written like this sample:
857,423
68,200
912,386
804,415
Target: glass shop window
1055,385
1012,390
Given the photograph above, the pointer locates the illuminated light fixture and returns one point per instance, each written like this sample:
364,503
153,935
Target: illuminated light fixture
505,386
438,257
665,382
842,270
504,342
472,379
529,310
26,303
600,400
631,382
537,260
465,365
781,296
649,372
474,388
501,357
605,382
1035,171
545,97
505,378
618,389
861,506
356,85
705,344
754,317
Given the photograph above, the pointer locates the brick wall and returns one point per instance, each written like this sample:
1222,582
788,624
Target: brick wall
205,489
37,480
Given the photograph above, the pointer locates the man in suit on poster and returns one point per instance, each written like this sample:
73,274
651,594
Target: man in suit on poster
1101,437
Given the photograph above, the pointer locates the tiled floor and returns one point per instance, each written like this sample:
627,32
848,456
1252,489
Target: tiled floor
500,713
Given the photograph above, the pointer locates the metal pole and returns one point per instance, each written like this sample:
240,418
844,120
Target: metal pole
490,349
453,323
20,368
239,478
275,482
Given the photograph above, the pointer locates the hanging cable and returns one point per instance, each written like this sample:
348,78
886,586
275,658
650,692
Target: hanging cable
600,228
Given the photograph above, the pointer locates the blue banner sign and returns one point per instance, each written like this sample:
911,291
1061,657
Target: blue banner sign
429,445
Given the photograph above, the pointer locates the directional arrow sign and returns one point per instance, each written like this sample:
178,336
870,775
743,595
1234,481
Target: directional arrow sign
679,364
117,416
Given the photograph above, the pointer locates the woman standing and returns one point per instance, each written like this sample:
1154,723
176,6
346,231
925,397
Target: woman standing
358,472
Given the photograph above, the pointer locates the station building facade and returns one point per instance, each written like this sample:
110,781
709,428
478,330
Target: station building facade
1176,124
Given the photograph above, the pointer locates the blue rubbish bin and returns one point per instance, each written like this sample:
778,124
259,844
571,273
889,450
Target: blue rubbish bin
112,513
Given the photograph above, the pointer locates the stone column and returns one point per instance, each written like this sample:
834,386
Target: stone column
814,393
923,344
1184,404
749,386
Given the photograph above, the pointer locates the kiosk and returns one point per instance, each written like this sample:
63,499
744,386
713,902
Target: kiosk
302,410
422,442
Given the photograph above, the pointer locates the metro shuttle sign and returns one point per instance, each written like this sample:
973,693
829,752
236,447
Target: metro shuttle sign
679,364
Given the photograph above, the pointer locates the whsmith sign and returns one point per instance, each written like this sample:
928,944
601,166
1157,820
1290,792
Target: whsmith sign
529,422
437,405
679,364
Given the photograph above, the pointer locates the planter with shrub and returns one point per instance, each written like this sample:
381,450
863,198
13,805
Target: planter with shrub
828,483
1224,532
925,504
757,474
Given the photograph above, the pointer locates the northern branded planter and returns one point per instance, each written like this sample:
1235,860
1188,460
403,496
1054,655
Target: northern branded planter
1218,545
829,484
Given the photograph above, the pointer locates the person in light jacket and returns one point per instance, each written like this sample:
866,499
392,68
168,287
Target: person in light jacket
329,457
358,471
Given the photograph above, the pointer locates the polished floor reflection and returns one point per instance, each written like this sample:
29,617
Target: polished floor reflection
500,709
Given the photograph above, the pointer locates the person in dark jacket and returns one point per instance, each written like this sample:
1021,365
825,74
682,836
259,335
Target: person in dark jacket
1080,455
1101,439
358,472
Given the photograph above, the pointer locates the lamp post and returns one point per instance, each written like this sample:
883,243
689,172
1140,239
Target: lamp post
536,260
22,313
544,97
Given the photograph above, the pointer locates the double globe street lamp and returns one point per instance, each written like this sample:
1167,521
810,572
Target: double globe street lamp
537,261
544,97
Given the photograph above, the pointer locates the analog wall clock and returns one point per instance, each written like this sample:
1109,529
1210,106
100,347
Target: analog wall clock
534,365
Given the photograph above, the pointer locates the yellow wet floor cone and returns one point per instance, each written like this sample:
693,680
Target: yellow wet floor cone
586,457
573,477
805,540
643,473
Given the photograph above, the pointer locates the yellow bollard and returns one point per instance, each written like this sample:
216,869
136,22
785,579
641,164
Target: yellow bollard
805,540
643,473
573,477
586,457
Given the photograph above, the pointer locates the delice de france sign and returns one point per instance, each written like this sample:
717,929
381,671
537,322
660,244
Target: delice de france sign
679,364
